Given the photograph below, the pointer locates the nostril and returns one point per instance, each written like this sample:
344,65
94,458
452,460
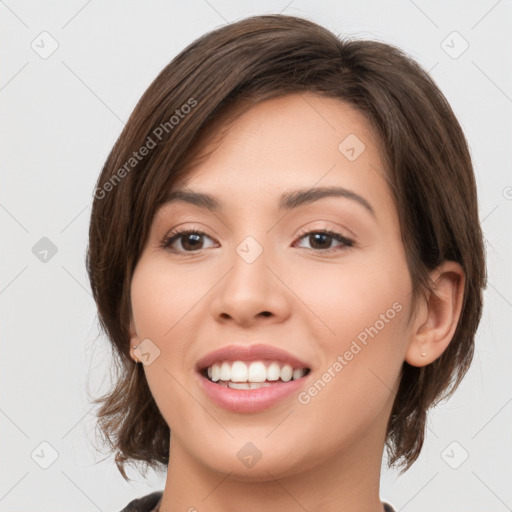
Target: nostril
266,313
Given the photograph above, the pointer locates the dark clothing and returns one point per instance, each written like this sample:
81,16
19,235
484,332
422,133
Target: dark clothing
148,503
151,503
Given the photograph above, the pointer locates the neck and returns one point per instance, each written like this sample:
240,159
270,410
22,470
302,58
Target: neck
346,481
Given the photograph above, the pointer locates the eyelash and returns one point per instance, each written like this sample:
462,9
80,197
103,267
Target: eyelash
176,234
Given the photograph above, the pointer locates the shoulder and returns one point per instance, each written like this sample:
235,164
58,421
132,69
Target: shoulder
145,504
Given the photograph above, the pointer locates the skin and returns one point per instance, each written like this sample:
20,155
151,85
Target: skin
324,455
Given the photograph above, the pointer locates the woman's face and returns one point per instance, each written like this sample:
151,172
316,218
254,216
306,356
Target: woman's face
257,270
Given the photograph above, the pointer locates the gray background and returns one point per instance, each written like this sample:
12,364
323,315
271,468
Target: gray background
61,114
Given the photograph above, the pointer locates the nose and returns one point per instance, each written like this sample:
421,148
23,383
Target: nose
251,292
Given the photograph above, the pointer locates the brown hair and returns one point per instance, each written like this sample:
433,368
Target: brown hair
429,171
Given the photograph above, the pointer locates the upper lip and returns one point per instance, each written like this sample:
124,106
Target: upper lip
249,353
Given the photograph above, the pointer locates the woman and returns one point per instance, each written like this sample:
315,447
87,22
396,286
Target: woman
286,236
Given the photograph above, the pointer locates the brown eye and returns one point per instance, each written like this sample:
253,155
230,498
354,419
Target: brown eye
185,241
321,240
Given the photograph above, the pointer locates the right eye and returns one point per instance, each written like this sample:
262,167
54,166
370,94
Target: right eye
190,240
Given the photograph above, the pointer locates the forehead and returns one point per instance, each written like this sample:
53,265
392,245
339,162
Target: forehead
261,150
300,127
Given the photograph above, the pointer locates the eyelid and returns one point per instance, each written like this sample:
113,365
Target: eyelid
344,240
327,225
175,234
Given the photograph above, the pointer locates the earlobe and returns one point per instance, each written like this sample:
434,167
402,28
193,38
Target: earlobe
438,315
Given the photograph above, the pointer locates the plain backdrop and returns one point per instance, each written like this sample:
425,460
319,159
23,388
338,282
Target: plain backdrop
71,73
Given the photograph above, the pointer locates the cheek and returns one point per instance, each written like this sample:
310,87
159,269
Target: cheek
364,314
160,303
351,298
162,300
364,308
163,303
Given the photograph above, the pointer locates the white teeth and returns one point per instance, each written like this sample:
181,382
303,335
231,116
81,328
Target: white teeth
238,385
215,372
257,372
247,385
256,385
225,371
273,371
298,373
240,373
286,373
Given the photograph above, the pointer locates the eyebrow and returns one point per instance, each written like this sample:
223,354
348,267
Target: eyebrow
287,201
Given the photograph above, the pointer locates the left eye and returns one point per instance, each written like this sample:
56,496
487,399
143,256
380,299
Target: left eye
321,240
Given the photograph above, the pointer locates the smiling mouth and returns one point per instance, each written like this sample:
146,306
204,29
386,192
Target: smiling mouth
252,375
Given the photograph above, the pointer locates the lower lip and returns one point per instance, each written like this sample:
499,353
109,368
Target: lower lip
250,400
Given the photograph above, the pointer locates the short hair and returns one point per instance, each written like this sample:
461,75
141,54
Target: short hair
428,168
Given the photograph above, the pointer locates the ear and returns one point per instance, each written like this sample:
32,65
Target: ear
437,316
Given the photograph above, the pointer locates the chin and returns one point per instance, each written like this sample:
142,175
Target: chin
247,463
